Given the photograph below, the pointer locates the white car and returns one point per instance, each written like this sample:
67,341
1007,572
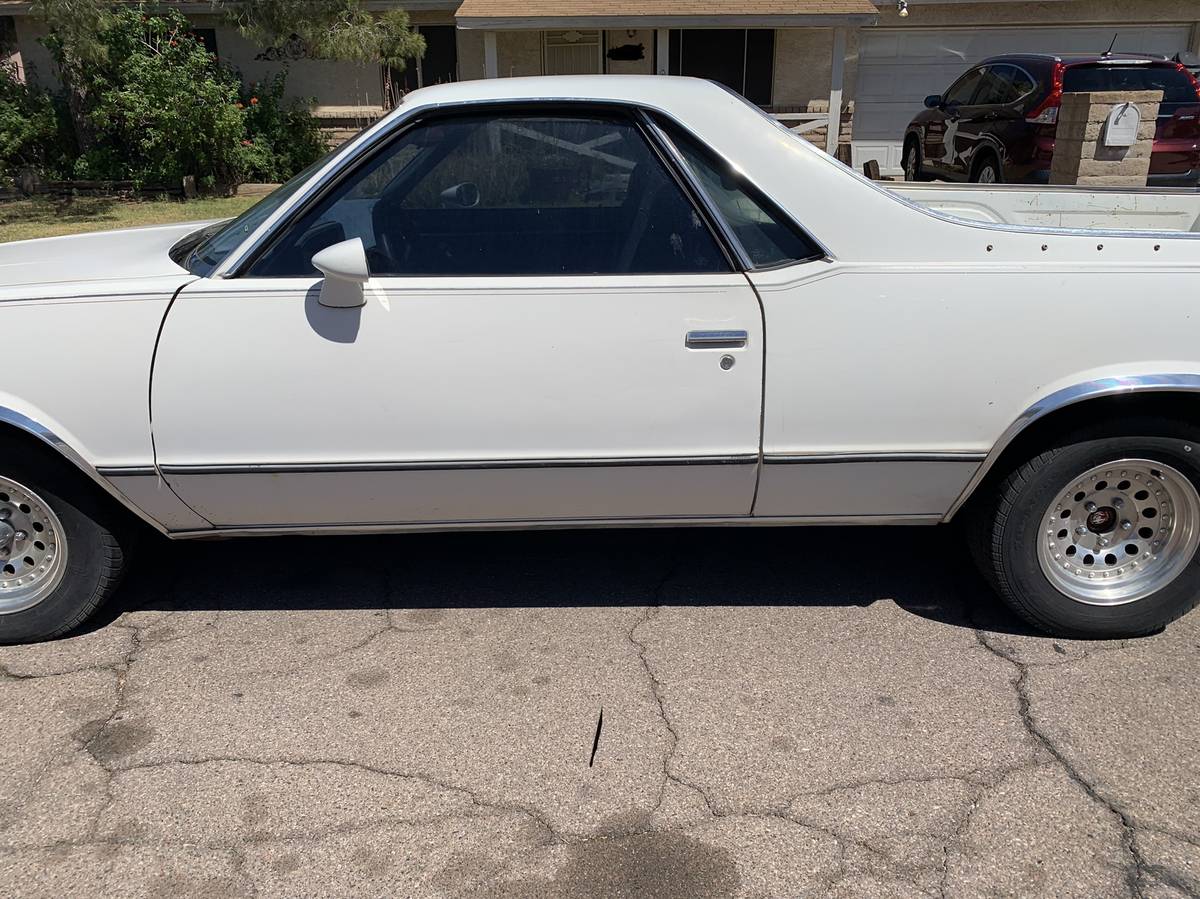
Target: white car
604,301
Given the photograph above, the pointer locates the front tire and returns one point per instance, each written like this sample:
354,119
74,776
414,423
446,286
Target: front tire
62,548
1098,537
912,161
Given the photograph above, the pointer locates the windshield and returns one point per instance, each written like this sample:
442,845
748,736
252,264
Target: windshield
214,243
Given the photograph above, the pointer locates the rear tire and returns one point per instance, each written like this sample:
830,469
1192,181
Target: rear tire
1056,537
62,547
987,170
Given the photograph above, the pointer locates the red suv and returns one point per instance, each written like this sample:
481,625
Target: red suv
997,122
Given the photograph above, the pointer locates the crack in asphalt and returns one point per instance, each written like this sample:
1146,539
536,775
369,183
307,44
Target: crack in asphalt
475,798
1138,867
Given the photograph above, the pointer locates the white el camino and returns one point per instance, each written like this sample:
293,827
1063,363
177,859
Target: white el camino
604,301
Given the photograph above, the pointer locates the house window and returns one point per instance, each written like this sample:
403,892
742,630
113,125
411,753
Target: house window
207,37
438,65
740,58
8,37
572,52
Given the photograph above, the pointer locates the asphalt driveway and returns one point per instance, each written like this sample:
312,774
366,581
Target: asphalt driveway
839,712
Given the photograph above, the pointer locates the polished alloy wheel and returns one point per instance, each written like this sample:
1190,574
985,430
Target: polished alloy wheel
987,174
910,164
1120,532
33,548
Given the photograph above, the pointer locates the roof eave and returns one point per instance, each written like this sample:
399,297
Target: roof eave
534,23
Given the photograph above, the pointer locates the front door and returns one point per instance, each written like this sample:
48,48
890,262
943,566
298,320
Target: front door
523,354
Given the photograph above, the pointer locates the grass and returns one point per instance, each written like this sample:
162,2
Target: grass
51,217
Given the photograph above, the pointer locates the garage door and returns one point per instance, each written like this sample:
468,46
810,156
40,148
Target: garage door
898,68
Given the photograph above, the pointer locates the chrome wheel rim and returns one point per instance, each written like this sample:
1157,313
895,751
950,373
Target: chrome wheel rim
910,165
987,175
33,548
1120,532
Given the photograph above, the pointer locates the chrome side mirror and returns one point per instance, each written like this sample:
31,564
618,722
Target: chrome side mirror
344,266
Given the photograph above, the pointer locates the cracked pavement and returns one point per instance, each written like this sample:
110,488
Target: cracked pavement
806,712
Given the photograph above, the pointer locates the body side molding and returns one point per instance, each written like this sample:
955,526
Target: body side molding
45,435
1069,396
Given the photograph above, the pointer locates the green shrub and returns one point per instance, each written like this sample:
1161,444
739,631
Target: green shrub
284,137
34,131
159,106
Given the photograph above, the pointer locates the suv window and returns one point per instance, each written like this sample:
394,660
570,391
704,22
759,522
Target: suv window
995,87
963,89
767,235
1176,85
507,194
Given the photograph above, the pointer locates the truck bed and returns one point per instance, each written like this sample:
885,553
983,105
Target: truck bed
1109,209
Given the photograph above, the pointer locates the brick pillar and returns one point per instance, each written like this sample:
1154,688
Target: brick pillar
1080,156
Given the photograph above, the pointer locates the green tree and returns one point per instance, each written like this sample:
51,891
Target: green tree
75,27
329,29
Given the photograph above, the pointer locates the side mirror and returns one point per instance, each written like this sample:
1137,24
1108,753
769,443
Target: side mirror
933,101
344,266
464,195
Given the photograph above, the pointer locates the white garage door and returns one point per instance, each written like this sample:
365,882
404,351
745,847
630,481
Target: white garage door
898,68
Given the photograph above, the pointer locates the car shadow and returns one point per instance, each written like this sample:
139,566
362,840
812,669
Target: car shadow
924,571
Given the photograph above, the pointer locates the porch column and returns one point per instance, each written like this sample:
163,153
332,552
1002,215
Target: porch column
662,51
837,74
1194,43
491,66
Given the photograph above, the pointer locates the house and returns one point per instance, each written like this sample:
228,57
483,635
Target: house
872,61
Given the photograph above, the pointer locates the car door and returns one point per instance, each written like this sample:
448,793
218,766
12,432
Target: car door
986,121
942,143
552,332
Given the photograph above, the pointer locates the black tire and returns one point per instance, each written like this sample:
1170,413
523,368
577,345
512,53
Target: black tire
912,154
987,160
1004,529
98,536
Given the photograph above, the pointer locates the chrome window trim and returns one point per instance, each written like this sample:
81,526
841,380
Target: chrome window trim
36,429
401,118
330,178
1068,396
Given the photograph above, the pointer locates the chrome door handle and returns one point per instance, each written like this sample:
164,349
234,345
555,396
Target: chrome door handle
716,340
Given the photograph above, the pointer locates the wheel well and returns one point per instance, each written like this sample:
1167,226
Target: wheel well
986,152
19,441
1094,415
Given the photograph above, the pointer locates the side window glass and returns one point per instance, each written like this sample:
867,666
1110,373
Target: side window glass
1023,83
963,89
767,235
995,87
519,194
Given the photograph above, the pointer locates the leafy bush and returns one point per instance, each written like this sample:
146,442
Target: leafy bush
158,106
34,132
282,137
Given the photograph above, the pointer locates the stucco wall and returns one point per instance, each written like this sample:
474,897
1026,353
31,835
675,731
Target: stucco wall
518,53
36,64
803,62
470,55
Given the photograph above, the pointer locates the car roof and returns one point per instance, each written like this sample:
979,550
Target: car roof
649,90
1081,58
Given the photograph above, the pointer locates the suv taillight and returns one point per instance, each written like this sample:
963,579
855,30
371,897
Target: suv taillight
1046,112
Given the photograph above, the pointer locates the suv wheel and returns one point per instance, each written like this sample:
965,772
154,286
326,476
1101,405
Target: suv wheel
987,171
912,161
1098,537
